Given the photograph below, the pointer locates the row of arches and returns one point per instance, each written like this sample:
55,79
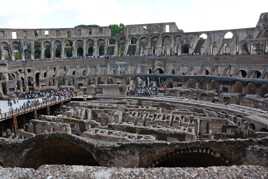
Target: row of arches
53,49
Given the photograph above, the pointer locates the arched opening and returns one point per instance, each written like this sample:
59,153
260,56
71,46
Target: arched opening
251,88
243,73
111,47
150,71
252,126
90,51
154,41
143,45
228,35
27,50
80,50
37,79
17,50
173,72
68,49
166,46
30,83
58,49
5,51
185,49
206,72
200,43
47,46
101,46
257,74
196,157
37,50
132,47
159,71
238,87
58,152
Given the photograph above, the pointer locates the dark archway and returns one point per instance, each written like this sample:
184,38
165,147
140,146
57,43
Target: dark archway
185,49
90,50
57,151
101,47
243,73
80,50
37,79
196,157
37,50
58,49
47,46
159,71
68,49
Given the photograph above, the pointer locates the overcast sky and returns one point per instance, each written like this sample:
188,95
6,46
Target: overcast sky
190,15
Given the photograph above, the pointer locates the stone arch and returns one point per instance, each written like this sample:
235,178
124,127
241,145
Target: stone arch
68,48
132,47
37,50
101,47
143,46
27,48
199,45
262,90
190,157
58,49
243,73
111,47
57,150
214,49
185,49
206,72
159,71
5,51
191,83
213,85
17,50
226,49
79,48
37,79
256,74
251,88
154,43
166,43
238,87
90,47
47,49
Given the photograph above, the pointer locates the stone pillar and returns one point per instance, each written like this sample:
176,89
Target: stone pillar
22,51
96,50
74,49
32,50
52,49
84,48
137,48
116,49
106,46
12,52
172,48
42,50
62,49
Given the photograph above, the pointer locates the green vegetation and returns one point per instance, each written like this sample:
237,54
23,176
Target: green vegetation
117,29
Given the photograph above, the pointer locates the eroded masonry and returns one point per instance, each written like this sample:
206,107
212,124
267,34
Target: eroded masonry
134,101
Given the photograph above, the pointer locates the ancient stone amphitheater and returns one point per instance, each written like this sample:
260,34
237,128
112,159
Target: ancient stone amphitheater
148,101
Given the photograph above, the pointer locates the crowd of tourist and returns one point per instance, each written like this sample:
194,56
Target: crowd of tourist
35,98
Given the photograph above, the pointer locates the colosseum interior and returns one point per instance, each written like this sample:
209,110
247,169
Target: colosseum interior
147,101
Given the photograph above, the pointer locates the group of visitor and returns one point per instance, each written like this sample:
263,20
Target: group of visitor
35,98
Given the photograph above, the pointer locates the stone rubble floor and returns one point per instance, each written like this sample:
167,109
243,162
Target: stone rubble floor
87,172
